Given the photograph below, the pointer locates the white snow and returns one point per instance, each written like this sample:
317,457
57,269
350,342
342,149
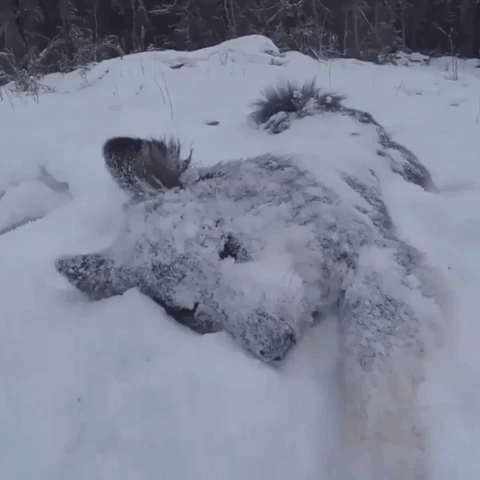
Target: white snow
117,390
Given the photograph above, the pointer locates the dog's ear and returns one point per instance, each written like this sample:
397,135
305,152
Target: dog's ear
162,166
142,166
120,155
186,163
95,275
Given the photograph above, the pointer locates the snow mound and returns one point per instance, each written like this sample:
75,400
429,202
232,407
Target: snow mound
31,200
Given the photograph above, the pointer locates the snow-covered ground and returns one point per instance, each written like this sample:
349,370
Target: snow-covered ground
117,390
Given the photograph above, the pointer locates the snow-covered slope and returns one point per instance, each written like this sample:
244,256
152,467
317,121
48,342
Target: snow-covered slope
115,389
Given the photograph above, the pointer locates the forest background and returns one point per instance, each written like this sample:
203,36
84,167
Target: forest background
45,36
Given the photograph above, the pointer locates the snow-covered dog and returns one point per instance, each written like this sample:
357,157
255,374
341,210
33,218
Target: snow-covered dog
262,249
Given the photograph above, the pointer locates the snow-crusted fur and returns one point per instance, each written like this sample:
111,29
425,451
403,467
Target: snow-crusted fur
261,249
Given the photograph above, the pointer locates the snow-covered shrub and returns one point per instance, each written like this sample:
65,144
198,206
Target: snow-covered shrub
279,103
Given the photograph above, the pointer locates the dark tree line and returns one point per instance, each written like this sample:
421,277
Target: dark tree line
40,36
